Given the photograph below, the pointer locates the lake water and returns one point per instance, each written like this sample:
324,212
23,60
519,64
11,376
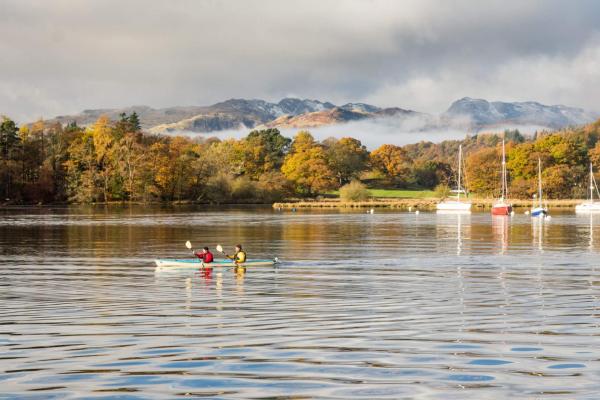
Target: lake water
390,305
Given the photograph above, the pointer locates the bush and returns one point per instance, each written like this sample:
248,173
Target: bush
273,186
219,189
244,190
442,191
354,191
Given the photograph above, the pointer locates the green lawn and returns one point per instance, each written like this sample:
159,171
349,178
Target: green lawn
401,194
396,193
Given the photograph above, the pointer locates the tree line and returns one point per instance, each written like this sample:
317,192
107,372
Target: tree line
115,161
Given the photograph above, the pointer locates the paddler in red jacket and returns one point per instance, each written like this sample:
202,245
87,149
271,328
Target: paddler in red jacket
205,255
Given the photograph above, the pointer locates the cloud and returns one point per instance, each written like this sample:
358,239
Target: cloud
376,132
61,56
555,79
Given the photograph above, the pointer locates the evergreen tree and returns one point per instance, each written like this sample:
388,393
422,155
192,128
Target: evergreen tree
8,137
134,122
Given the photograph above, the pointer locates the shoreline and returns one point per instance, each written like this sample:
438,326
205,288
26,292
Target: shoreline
420,204
415,203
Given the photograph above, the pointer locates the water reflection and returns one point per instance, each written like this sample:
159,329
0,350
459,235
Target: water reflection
389,304
500,225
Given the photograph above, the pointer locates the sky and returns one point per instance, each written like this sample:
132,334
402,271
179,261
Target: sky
60,57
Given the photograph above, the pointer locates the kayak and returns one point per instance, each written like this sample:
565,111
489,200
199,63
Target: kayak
197,263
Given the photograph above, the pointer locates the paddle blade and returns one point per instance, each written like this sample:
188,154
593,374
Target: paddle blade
188,244
219,248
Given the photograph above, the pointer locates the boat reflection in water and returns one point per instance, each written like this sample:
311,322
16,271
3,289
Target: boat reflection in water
450,226
500,231
538,228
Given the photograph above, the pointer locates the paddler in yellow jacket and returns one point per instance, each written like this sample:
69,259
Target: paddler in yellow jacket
240,255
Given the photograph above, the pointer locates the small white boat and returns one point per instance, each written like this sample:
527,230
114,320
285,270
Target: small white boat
195,263
539,210
590,206
456,205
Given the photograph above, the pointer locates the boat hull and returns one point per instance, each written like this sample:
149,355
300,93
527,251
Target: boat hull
539,212
453,206
166,264
501,209
588,208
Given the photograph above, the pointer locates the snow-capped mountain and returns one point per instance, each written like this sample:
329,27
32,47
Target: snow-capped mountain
482,113
466,114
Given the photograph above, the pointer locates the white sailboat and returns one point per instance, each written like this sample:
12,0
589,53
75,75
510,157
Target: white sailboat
539,209
456,205
590,205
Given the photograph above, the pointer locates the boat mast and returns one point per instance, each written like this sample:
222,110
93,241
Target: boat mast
459,170
540,181
591,184
504,183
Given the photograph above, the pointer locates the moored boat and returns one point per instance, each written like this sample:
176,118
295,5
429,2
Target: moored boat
456,205
166,264
501,207
590,206
539,210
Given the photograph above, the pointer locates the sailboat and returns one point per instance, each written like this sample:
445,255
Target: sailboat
590,205
501,207
539,210
456,205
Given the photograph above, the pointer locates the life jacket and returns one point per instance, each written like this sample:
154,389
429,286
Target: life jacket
205,257
240,257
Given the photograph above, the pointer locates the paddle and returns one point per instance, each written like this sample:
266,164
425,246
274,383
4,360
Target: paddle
220,250
188,244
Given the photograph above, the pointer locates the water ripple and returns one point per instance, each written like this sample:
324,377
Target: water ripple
390,305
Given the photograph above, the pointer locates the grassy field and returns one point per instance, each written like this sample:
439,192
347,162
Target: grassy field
401,194
396,194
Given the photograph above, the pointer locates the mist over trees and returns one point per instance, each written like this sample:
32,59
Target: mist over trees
115,161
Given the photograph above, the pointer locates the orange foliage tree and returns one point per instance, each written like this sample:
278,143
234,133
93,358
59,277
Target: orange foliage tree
393,161
306,166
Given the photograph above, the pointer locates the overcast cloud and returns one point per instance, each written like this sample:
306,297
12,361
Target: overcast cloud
60,57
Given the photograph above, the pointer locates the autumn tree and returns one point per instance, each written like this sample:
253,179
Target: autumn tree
594,155
81,169
306,166
561,181
482,170
263,151
131,160
393,161
174,175
105,145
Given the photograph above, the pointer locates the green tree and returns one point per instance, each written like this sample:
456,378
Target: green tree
9,143
347,158
262,151
8,137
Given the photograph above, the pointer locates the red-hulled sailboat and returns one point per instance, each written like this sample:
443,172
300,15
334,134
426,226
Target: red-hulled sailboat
501,206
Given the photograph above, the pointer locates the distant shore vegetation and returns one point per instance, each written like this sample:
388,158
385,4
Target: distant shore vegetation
112,161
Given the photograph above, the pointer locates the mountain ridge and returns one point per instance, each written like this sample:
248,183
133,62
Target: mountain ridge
470,114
